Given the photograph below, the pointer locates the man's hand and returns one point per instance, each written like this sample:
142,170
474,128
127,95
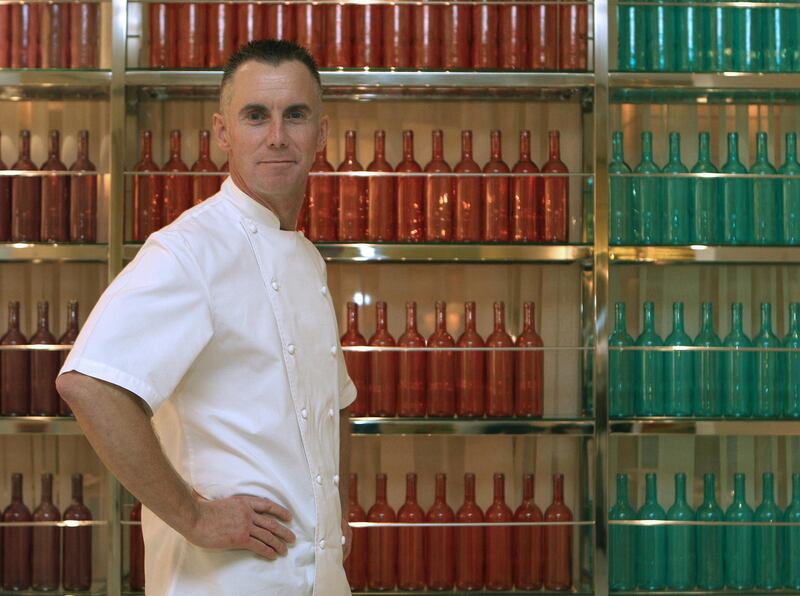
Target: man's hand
347,532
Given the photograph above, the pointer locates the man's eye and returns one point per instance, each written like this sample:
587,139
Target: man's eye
255,116
299,115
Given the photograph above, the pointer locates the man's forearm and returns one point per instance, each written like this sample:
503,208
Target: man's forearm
344,458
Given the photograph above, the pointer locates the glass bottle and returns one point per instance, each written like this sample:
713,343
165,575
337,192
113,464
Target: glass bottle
791,551
678,368
558,541
620,367
739,540
499,540
357,362
573,36
54,36
681,560
780,25
26,200
620,193
382,541
737,369
651,541
16,367
438,195
46,541
555,197
55,193
766,203
707,388
632,41
77,564
469,540
747,47
412,378
250,22
322,201
338,35
367,35
192,28
440,368
676,196
736,215
147,193
382,368
646,210
543,36
410,541
352,194
83,195
648,368
281,21
767,374
710,539
704,196
789,193
529,368
426,31
484,35
410,193
768,543
791,366
456,34
355,566
222,34
68,339
204,186
660,35
25,26
719,48
528,540
16,555
470,368
381,208
177,189
44,368
396,33
622,541
5,191
163,35
495,191
499,368
688,38
467,193
525,194
512,36
440,541
136,549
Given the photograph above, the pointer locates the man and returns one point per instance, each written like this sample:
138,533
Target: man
223,329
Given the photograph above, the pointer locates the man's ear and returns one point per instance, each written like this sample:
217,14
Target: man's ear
221,132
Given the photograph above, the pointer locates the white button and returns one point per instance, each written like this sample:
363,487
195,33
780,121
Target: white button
322,544
334,350
344,540
290,348
252,227
304,413
330,412
336,480
275,285
319,479
324,290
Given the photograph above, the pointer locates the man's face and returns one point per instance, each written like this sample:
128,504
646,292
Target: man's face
271,125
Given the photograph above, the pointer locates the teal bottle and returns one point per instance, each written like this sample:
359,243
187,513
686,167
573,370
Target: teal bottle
704,197
767,543
676,196
587,235
789,191
791,367
632,45
707,390
765,197
646,212
739,540
747,51
779,30
678,368
737,369
620,367
710,539
768,396
620,199
681,561
689,39
720,38
660,33
735,197
651,542
791,551
648,368
622,541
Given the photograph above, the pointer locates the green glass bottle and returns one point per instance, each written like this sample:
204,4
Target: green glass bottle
681,560
622,541
748,55
710,539
646,212
689,39
767,378
767,543
678,368
720,38
675,227
737,369
587,234
790,190
704,193
739,540
707,394
648,368
620,199
791,366
736,227
632,46
651,541
660,34
765,197
620,367
779,30
791,552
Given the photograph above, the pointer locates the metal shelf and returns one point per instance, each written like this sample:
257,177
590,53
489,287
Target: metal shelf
57,84
661,87
704,426
483,592
482,426
39,425
663,255
36,253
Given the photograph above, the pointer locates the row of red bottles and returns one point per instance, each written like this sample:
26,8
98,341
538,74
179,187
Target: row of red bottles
467,558
438,208
32,556
54,208
426,36
28,377
445,383
59,35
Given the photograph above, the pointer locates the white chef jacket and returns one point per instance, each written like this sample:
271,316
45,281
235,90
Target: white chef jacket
224,326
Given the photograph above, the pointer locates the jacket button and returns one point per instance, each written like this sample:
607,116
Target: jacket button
322,544
324,290
344,540
304,413
252,227
330,412
275,285
336,480
334,350
290,348
319,479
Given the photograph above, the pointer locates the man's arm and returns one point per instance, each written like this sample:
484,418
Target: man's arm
344,475
117,426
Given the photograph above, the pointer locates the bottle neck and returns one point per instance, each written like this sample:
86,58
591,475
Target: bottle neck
709,489
437,150
650,488
761,147
527,487
680,488
380,488
674,147
499,488
791,147
408,145
677,316
558,488
528,317
622,489
708,316
411,488
13,315
147,146
380,145
16,488
411,316
617,147
796,488
766,317
353,494
525,145
54,144
555,151
768,487
649,316
380,316
25,145
77,488
704,147
72,315
83,144
733,146
43,315
469,316
352,317
441,488
47,488
441,317
619,317
647,146
469,487
466,144
350,145
736,316
175,144
499,316
794,317
496,145
204,144
738,488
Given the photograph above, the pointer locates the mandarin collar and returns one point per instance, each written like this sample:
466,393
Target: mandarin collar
249,206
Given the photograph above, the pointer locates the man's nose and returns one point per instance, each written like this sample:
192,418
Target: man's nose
276,133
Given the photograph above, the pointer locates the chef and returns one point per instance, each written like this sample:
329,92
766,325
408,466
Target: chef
209,376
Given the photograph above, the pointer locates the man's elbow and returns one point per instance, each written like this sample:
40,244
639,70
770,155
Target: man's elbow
71,386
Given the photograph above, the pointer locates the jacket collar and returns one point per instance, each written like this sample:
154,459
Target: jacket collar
248,206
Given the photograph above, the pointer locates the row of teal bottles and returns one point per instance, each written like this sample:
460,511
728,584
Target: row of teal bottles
727,381
708,556
680,210
707,38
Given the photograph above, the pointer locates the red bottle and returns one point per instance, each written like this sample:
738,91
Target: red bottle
554,207
410,541
356,564
5,186
441,368
83,195
310,29
440,541
525,194
15,382
55,196
456,33
192,30
204,186
338,35
381,206
470,366
357,362
322,201
426,35
136,554
54,39
467,193
46,558
147,193
495,195
397,36
68,339
221,33
543,36
84,35
352,194
484,35
529,368
382,368
25,195
382,541
528,541
16,549
469,540
438,195
177,189
558,541
280,21
513,36
77,566
367,32
411,369
25,24
5,35
163,35
499,540
45,365
410,208
573,36
250,22
499,368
